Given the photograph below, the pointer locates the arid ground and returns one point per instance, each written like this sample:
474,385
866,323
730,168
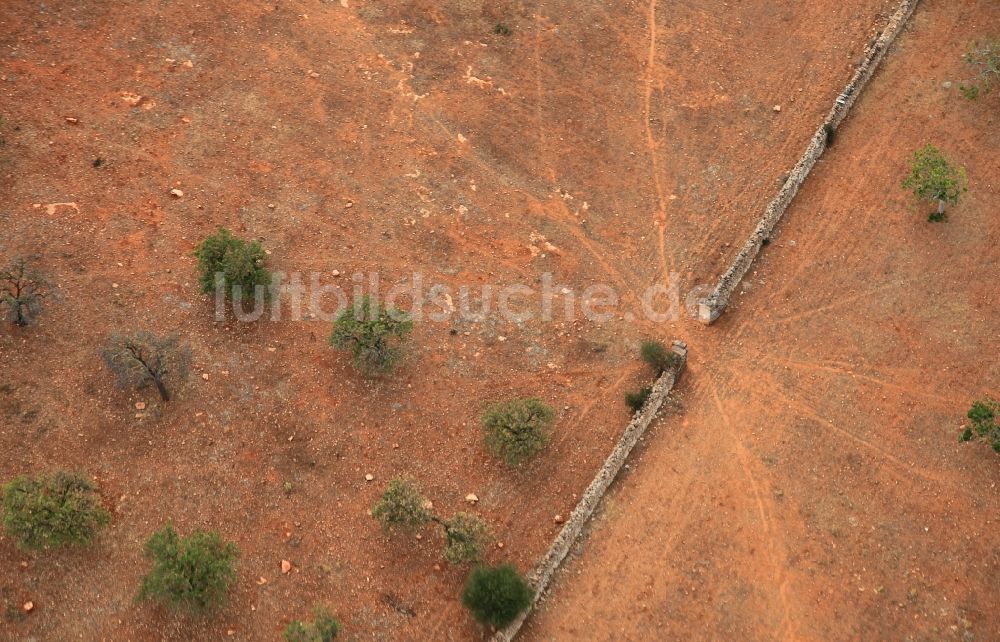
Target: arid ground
808,483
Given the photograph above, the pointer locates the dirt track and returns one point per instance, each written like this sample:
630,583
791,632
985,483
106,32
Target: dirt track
811,487
461,163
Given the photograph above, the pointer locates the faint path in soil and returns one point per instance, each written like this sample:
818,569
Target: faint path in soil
810,487
775,547
660,216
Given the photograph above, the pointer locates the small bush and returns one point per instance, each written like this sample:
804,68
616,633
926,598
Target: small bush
192,573
324,628
240,267
984,416
21,290
401,506
501,29
496,596
829,133
657,355
143,358
466,535
53,510
518,429
985,58
636,400
373,335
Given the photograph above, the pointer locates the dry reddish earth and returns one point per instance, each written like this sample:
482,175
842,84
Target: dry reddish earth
809,485
636,139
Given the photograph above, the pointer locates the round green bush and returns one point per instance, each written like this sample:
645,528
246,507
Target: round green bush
190,573
401,506
237,262
374,335
496,596
53,510
518,429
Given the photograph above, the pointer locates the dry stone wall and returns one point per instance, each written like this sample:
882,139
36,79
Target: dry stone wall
547,566
712,306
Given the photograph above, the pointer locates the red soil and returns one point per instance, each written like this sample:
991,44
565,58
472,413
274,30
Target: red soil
810,486
636,139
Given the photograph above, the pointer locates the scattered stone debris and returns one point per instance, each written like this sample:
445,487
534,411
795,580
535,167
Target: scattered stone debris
472,498
176,193
286,566
131,98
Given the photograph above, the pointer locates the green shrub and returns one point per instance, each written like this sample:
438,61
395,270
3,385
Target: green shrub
372,334
192,573
326,625
237,263
932,178
657,355
829,133
501,29
636,400
496,596
401,506
518,429
53,510
984,416
466,535
985,58
324,628
142,358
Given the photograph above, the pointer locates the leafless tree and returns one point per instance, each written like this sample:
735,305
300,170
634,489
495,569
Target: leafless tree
21,290
142,358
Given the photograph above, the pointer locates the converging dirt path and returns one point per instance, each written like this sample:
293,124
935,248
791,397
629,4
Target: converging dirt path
809,485
599,142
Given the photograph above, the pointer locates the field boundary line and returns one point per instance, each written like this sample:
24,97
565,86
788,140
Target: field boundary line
710,307
546,568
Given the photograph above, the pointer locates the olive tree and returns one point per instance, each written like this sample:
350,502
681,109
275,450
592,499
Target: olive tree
373,334
54,510
518,429
142,358
192,573
21,290
403,507
232,264
466,537
934,179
